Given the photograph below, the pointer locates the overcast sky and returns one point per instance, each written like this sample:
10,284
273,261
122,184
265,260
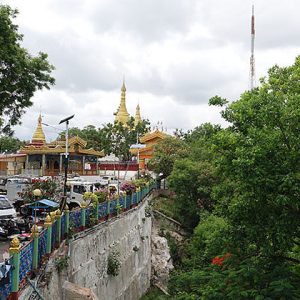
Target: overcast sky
174,54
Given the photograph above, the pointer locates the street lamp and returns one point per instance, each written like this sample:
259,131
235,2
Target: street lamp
36,193
138,147
63,202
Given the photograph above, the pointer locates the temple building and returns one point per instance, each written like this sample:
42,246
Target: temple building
122,115
42,158
149,140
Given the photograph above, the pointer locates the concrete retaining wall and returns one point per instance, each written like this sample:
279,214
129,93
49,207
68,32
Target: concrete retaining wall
130,235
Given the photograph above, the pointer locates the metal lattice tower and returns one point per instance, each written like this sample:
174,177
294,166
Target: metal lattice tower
252,59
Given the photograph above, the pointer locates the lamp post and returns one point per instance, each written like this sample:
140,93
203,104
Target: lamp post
138,147
36,193
63,202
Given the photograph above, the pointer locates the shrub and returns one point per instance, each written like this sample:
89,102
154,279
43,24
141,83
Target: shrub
113,263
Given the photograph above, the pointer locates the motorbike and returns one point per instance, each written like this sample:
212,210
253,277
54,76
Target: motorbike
9,227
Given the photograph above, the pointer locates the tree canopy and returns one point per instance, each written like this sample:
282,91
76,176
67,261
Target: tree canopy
10,144
112,138
21,74
247,242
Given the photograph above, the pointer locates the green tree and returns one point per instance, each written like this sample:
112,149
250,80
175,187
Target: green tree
10,144
193,177
248,246
21,73
166,152
112,138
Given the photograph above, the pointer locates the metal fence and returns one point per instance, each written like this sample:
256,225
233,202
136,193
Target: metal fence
31,255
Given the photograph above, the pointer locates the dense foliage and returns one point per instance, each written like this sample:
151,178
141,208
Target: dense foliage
10,144
50,189
166,152
242,183
21,73
112,138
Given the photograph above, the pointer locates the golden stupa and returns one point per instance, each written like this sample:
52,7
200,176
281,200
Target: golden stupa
122,115
39,136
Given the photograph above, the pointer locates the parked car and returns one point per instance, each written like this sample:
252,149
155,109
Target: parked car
6,209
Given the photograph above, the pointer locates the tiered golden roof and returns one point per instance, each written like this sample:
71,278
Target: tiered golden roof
39,136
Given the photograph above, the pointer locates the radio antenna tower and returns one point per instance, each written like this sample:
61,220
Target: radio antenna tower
252,59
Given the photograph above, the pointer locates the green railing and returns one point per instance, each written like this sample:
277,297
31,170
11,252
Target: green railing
58,226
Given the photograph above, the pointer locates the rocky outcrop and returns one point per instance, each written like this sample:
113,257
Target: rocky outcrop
161,260
72,291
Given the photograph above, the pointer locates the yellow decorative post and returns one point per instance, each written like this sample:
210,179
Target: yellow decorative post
14,251
48,225
35,237
58,226
52,215
83,206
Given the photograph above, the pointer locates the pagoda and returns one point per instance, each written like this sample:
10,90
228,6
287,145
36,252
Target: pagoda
149,140
44,158
122,115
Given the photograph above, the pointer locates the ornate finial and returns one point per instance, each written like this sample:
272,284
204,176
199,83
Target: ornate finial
14,246
66,208
58,214
123,88
83,204
52,215
48,221
34,231
39,135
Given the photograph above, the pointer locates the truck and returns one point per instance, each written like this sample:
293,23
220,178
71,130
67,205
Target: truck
76,189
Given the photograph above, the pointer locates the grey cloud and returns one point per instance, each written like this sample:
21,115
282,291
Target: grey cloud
146,20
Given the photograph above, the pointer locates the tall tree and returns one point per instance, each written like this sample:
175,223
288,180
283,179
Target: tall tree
10,144
249,246
112,138
166,152
21,74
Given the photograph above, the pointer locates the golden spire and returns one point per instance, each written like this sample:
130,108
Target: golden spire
137,118
39,135
122,115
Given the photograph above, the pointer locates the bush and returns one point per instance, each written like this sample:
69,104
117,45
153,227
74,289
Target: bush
113,263
102,195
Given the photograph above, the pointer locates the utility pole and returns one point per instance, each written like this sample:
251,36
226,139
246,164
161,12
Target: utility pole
64,199
252,59
138,154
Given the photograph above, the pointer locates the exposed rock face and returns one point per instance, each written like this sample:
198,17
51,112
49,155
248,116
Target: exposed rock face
161,260
75,292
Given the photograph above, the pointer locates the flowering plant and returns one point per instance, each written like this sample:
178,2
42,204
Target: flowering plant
102,194
128,187
91,197
219,260
49,190
142,182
